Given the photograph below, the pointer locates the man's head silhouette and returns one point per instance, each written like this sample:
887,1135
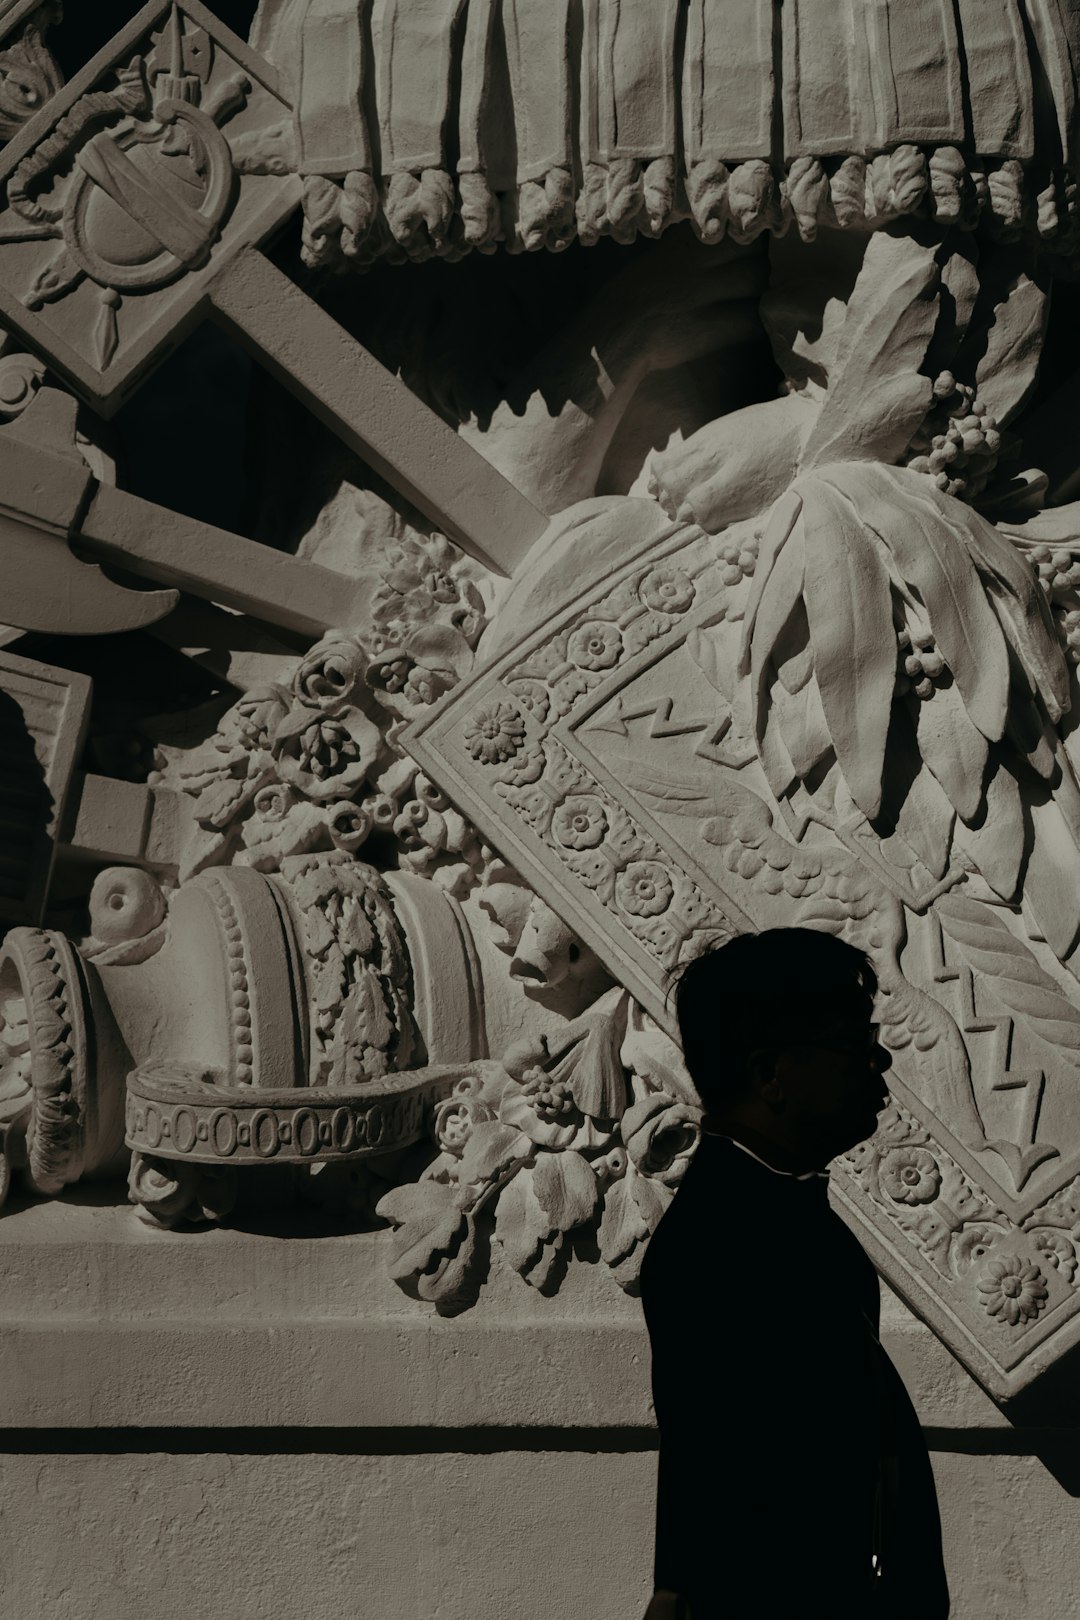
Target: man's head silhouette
778,1038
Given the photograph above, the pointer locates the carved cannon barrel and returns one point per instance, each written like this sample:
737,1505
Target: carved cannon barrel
266,1019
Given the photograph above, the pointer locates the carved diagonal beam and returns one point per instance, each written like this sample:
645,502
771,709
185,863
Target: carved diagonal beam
374,412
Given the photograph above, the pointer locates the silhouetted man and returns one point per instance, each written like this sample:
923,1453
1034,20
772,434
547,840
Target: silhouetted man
794,1479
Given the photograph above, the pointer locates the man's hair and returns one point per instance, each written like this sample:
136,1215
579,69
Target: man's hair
761,990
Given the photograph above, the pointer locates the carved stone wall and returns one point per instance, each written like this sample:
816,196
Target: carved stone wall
699,554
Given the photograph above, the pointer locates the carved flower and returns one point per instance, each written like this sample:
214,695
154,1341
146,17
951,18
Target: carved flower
273,802
439,585
1059,1251
348,825
595,645
252,722
910,1175
526,768
972,1244
534,698
456,1116
580,822
644,889
323,756
1013,1290
667,590
661,1136
330,673
495,734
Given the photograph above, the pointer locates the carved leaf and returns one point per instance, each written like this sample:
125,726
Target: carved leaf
430,1226
491,1150
803,725
1016,597
528,1235
1050,885
566,1188
706,648
1007,371
999,843
1017,980
735,466
622,1226
925,818
650,1195
927,541
778,530
454,1282
849,606
779,598
953,748
593,1072
876,398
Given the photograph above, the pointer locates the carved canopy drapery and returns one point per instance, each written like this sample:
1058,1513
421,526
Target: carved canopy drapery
437,126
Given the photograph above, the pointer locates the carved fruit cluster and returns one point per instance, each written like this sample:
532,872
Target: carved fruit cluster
922,668
737,562
960,443
1056,567
1070,627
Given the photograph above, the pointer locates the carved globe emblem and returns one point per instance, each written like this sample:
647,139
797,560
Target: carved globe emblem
147,204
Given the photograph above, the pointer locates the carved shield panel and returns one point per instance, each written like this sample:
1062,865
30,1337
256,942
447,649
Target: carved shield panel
604,752
131,188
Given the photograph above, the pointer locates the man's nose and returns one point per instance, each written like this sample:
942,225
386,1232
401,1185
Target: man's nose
880,1058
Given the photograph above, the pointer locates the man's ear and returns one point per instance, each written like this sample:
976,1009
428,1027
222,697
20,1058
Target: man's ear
761,1071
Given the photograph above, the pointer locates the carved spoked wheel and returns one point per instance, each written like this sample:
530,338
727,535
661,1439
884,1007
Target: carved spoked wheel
44,1095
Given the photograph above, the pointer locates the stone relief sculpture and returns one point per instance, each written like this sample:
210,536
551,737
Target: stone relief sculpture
401,904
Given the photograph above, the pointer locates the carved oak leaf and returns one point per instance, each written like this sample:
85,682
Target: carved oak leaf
623,1231
493,1149
433,1242
529,1235
566,1188
1008,335
876,397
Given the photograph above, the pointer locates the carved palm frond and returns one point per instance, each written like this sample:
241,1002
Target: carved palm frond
893,633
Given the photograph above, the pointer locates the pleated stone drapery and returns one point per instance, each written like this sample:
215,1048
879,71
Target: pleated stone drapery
437,126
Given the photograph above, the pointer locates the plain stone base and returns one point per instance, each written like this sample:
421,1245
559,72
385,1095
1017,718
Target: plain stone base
257,1425
153,1536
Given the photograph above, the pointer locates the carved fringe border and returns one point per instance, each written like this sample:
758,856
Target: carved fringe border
355,221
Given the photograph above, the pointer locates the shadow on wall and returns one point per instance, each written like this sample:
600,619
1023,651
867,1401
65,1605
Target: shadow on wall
85,29
26,806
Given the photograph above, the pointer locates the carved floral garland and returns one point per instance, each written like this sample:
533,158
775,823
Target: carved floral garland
584,1134
311,763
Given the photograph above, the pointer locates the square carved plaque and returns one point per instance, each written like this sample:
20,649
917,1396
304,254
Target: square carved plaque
598,752
129,191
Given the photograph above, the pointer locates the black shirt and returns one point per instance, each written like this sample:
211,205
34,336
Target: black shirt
790,1454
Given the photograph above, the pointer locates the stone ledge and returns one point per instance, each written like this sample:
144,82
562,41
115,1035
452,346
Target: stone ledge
110,1325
